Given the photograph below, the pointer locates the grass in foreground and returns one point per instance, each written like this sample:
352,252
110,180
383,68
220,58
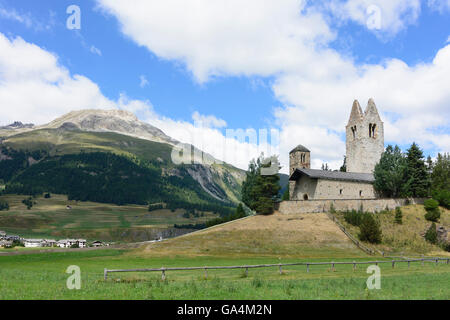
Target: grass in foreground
42,276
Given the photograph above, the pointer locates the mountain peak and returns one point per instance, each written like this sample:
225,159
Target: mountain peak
118,121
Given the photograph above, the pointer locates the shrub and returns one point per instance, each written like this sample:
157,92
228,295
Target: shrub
398,215
370,230
28,202
443,197
431,234
47,195
353,217
432,208
4,205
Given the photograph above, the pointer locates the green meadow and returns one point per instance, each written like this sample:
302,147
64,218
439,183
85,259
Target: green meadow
42,276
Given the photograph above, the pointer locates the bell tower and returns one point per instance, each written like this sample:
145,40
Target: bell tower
364,138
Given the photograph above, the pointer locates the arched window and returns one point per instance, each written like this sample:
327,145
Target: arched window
360,193
340,191
305,197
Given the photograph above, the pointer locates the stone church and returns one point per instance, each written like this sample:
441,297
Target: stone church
364,146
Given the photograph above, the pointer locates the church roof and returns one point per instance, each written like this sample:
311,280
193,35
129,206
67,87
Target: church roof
332,175
299,148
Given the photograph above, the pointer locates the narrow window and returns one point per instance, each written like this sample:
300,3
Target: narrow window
340,191
354,132
360,193
372,128
305,197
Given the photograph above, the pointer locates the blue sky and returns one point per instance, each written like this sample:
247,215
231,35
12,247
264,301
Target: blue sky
116,47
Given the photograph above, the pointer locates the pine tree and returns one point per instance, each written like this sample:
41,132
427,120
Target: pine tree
259,191
370,230
343,168
431,234
417,173
398,215
390,174
432,208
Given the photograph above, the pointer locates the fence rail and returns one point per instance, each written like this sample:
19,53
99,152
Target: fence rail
279,265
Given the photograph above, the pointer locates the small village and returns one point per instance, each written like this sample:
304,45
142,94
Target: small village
10,241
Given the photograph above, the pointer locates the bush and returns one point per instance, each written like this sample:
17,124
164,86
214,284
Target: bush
443,197
28,202
4,205
398,215
432,208
431,234
370,230
47,195
353,217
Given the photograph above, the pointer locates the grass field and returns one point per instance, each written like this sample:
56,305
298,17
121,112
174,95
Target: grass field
50,218
253,240
42,276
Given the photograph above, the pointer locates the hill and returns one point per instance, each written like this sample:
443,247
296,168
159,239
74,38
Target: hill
277,235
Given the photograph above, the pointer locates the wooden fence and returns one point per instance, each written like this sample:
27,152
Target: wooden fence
279,265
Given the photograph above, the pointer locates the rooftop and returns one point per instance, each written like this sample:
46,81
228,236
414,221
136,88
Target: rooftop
332,175
300,148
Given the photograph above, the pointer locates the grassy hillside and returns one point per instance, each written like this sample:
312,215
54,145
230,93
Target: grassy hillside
405,238
305,235
50,218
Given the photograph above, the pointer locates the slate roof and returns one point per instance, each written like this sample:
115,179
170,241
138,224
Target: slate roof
300,148
332,175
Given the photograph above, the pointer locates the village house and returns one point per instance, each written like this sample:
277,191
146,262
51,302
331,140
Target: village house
67,243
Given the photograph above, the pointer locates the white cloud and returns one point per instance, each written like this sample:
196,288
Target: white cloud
12,14
289,42
388,17
143,81
95,50
232,37
439,5
35,88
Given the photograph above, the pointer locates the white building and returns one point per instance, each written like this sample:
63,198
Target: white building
67,243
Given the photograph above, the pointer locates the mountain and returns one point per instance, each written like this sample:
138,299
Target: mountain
38,151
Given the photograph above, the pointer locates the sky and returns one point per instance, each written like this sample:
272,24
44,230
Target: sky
285,72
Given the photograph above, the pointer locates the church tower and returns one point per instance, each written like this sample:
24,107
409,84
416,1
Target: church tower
299,157
364,138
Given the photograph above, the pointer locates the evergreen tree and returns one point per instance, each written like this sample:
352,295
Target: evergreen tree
398,215
259,191
432,208
343,168
390,173
4,205
370,230
417,173
431,234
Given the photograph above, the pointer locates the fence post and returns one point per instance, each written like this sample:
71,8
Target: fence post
437,261
206,273
307,268
447,260
332,267
281,271
409,263
163,275
246,272
423,262
354,266
393,264
105,274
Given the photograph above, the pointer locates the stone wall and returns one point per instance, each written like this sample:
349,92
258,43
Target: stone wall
316,189
370,205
